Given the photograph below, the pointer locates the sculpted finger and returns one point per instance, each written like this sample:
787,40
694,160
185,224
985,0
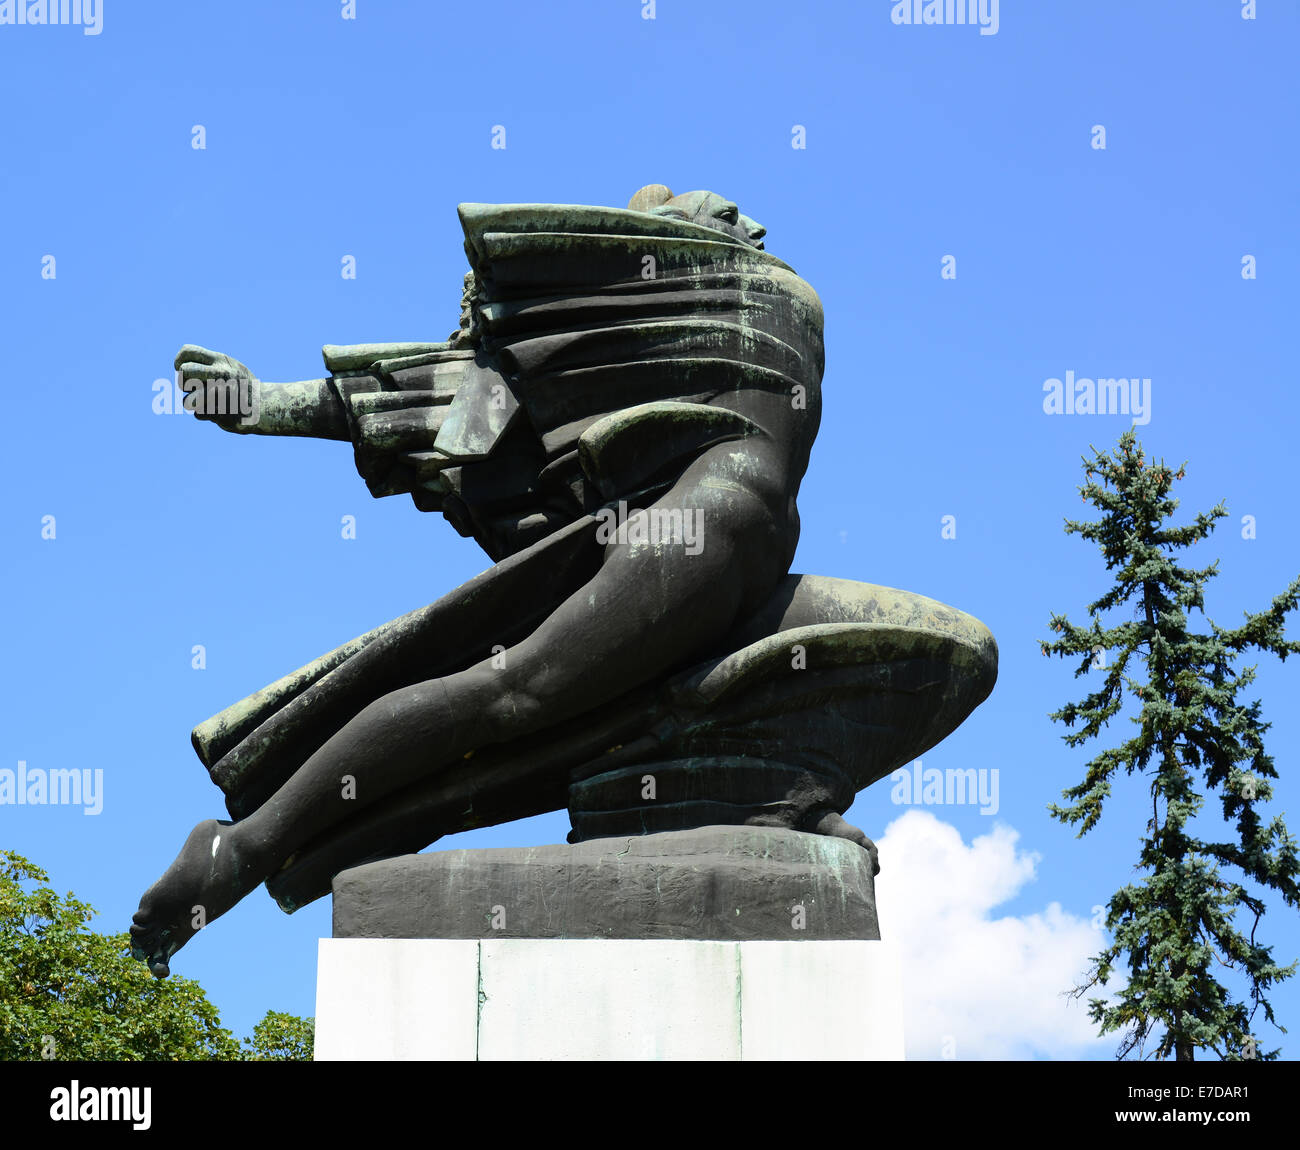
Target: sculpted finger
222,369
192,353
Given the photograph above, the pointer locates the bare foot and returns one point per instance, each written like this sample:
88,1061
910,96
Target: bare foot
834,825
204,882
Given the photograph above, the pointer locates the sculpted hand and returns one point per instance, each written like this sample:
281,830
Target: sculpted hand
218,388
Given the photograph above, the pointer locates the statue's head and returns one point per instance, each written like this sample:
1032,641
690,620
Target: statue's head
705,208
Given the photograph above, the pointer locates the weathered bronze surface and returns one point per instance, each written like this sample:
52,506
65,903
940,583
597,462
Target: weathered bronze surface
621,421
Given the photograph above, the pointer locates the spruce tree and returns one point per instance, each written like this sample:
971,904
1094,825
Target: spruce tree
1187,918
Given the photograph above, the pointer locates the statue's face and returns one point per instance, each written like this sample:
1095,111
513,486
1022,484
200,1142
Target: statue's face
712,211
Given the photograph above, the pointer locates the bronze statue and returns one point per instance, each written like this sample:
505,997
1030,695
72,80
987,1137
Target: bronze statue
621,421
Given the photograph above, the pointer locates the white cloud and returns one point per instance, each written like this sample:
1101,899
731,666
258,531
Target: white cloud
990,988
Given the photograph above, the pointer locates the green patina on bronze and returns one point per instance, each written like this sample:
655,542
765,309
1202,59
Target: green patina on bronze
615,376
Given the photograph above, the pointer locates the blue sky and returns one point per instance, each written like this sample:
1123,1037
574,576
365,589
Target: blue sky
328,137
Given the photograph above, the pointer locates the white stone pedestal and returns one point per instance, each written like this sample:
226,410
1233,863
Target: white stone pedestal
607,1000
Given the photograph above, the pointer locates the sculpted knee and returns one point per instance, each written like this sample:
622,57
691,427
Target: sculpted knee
512,695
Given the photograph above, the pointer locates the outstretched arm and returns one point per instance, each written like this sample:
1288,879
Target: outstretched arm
221,389
308,407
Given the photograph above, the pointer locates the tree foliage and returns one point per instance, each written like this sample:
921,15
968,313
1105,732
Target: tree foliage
69,993
1182,924
281,1038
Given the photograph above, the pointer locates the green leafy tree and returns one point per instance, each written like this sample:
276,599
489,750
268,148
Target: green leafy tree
281,1038
69,993
1179,926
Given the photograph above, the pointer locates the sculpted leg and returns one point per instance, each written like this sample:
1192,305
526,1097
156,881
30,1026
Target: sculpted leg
651,609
